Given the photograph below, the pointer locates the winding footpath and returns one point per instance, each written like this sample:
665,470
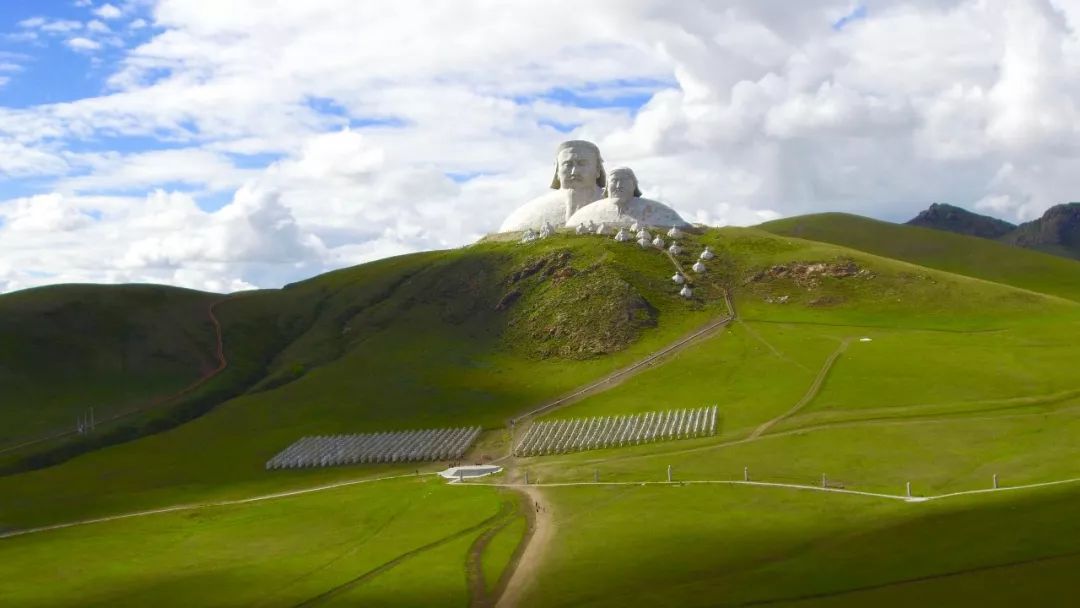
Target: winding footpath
811,393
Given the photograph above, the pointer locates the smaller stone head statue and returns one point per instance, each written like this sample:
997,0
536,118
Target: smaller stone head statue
578,165
622,184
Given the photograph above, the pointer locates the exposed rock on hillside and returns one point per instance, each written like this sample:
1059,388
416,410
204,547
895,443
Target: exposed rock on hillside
570,313
1056,232
808,274
954,219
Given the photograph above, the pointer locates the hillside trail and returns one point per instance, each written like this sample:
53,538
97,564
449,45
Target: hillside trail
222,364
618,376
204,505
811,393
538,539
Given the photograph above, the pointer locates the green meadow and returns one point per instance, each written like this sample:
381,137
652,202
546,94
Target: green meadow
901,356
361,543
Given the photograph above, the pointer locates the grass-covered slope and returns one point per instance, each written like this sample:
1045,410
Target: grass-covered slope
67,348
369,544
956,253
469,336
740,546
962,378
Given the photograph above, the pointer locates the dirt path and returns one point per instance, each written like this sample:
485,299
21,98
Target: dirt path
479,597
815,387
370,574
203,505
222,363
538,538
618,376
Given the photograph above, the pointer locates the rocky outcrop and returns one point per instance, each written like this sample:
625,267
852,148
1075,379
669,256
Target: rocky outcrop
1056,232
961,221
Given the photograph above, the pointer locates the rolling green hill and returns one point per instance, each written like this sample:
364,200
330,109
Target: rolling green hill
930,359
67,348
956,253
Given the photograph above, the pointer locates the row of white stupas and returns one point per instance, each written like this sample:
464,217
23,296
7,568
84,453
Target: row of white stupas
584,195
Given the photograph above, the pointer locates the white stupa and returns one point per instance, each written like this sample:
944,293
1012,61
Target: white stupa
675,233
686,292
644,234
529,236
678,278
675,249
546,230
707,254
635,227
658,242
698,267
602,229
581,229
623,236
644,243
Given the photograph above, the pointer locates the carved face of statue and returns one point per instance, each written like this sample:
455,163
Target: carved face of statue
577,168
622,184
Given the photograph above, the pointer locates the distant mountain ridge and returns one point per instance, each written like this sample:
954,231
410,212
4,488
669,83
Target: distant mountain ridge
961,221
1057,232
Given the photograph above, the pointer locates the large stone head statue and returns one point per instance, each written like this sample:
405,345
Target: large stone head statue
578,165
579,180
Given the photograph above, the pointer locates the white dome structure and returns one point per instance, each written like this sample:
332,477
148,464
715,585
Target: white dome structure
644,243
686,292
635,227
675,233
658,242
529,236
707,254
601,229
678,279
644,234
581,229
675,249
546,230
623,236
698,267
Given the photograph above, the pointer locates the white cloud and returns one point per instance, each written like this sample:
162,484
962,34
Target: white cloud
196,167
756,108
83,44
98,27
32,22
61,26
108,11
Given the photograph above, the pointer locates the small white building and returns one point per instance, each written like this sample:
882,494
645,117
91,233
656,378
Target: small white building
698,267
707,254
686,292
678,278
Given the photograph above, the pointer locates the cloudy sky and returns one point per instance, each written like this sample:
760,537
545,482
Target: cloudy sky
225,145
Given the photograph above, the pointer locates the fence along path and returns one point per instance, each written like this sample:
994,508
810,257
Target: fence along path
401,446
577,434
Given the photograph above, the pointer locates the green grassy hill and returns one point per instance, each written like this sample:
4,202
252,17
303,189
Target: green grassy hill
872,370
956,253
66,348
